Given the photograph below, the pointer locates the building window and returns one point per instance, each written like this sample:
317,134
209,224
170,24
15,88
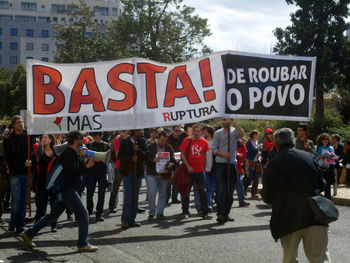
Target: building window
4,4
102,10
29,32
30,46
45,59
13,59
114,11
0,31
44,19
45,33
42,6
59,9
13,45
13,32
55,19
6,17
28,6
29,57
0,60
44,47
0,45
25,18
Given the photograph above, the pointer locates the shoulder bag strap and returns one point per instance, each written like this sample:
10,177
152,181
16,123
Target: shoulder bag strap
188,148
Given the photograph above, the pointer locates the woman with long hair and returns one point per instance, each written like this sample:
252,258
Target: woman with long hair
45,154
326,157
254,166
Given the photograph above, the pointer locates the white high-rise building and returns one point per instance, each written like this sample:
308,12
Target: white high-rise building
27,26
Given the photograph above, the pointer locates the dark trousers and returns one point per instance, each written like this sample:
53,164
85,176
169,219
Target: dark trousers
199,180
43,198
4,186
92,179
224,199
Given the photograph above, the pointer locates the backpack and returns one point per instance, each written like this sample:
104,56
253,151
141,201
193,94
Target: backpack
54,182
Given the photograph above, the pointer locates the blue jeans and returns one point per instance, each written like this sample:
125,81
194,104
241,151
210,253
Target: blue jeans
156,184
240,189
210,186
19,201
72,201
130,205
224,199
92,178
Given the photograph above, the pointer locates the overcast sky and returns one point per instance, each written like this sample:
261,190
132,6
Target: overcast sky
243,25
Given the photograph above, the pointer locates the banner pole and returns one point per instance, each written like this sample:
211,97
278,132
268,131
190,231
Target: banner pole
29,180
135,179
228,161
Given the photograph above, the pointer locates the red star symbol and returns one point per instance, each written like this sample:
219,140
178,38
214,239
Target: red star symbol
58,121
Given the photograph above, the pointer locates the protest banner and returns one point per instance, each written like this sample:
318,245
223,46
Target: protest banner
139,93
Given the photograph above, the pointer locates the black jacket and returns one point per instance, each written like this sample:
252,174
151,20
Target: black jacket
16,153
289,179
126,152
72,169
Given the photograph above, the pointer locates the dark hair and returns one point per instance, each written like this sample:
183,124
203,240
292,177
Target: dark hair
93,134
164,134
336,136
73,135
323,136
209,129
252,133
187,125
176,126
197,126
302,125
152,130
52,138
15,118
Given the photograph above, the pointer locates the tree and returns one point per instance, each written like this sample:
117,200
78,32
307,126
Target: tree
164,31
74,44
317,29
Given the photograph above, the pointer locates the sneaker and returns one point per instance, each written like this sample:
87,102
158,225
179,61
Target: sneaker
113,211
220,219
228,219
88,248
244,204
160,217
207,217
27,240
70,218
99,219
184,216
125,225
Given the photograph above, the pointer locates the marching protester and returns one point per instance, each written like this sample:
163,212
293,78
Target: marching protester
196,147
175,139
72,173
96,174
159,170
225,157
241,155
338,147
267,146
302,142
289,180
132,154
118,178
208,133
16,156
254,166
4,180
45,154
326,160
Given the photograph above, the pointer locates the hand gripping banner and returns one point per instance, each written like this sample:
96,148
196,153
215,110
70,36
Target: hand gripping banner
139,93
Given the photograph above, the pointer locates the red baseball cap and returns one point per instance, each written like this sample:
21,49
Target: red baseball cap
268,130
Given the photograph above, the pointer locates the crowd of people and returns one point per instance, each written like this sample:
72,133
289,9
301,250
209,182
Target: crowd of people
216,161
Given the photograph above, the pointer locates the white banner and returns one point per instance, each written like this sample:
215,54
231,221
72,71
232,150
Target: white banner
139,93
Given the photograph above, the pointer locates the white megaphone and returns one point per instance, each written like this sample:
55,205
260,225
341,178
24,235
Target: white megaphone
104,157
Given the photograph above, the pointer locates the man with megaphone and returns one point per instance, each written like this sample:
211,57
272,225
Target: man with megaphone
99,151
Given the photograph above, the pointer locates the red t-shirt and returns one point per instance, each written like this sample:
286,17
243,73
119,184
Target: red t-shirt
268,145
196,156
116,148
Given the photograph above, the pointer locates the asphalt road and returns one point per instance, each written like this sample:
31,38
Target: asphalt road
247,239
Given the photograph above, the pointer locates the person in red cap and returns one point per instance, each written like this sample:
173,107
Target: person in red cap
268,145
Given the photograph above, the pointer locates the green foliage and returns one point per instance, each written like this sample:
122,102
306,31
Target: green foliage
74,44
317,30
13,90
